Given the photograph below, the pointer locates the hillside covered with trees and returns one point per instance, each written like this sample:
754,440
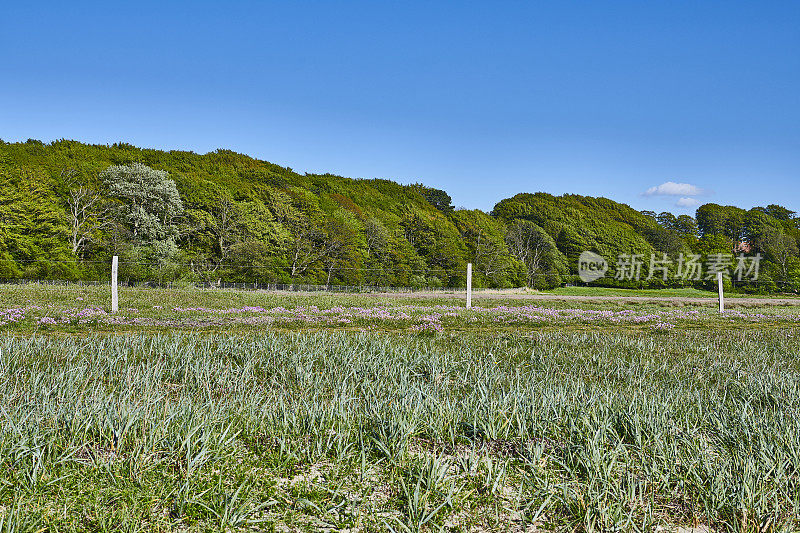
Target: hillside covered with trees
67,207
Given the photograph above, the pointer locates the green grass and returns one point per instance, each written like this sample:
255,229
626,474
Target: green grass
579,425
85,310
658,293
608,291
308,431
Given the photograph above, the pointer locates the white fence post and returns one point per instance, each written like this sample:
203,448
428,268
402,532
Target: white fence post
114,295
721,295
469,285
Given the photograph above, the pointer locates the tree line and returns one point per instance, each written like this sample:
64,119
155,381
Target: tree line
67,207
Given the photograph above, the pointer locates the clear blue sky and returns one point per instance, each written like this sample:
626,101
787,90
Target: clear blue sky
481,99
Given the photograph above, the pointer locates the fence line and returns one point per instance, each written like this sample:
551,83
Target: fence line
312,287
274,287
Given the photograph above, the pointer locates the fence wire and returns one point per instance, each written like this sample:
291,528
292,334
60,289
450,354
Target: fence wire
205,274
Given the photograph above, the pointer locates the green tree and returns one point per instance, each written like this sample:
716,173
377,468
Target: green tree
150,201
436,197
484,237
778,212
344,242
713,219
544,263
33,233
686,226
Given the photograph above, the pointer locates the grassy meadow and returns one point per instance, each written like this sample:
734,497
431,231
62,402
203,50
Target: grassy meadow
686,292
246,411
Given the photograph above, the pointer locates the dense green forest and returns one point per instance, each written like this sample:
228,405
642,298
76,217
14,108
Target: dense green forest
67,207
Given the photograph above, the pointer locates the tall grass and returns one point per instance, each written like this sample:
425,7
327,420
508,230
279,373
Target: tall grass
586,431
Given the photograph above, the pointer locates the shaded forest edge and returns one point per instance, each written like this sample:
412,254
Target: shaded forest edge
67,207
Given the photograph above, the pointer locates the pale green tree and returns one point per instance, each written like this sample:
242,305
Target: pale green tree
150,203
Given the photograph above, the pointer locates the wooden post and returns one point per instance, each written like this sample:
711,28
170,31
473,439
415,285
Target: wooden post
721,295
114,295
469,285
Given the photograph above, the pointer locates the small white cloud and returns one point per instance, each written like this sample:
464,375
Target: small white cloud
687,202
671,188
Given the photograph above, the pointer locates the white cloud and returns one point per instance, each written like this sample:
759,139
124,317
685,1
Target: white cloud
671,188
687,202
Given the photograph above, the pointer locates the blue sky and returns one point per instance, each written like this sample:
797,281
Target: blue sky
483,100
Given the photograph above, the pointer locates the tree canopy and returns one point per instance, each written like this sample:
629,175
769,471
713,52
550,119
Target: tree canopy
66,207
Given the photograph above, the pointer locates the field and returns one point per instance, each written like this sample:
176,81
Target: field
606,291
234,410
